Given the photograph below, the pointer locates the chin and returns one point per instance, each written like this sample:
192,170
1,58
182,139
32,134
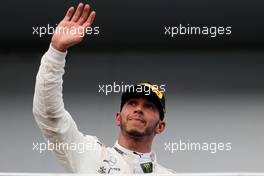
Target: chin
135,133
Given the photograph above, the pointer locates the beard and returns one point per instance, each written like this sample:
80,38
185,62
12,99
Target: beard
137,133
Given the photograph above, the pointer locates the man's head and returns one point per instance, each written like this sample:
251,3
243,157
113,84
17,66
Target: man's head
142,111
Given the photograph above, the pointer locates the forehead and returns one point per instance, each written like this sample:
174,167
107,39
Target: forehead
141,100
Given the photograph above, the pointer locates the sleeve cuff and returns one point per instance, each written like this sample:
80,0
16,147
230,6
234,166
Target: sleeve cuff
55,55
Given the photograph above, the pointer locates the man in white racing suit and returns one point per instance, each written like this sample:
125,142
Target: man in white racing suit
140,117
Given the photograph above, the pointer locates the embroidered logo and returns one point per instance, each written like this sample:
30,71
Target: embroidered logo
147,167
102,170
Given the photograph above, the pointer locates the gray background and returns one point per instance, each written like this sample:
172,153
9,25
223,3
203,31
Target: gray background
216,97
214,87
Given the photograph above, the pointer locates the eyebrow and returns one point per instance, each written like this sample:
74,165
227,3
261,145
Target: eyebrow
148,102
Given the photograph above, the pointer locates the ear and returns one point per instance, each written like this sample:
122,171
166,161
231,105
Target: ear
118,118
160,127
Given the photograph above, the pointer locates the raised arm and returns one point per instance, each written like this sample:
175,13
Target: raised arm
53,119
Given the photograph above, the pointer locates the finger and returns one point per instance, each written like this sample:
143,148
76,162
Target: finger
90,20
77,13
69,14
84,16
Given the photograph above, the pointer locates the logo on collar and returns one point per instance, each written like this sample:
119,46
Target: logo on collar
147,167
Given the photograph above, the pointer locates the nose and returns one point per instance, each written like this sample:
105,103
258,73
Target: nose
138,109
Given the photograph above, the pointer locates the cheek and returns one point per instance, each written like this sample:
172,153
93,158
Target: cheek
153,115
125,112
123,115
153,121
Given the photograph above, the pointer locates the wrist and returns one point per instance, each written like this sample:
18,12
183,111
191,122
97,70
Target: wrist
58,47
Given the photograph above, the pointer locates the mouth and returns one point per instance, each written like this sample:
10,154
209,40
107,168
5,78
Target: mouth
137,119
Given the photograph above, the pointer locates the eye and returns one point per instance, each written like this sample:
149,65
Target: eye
150,106
132,103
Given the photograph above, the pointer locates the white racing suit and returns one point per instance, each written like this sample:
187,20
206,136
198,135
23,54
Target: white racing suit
59,127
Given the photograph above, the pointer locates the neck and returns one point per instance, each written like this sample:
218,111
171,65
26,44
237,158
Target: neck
138,144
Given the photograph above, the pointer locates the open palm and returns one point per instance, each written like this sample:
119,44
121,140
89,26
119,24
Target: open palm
71,29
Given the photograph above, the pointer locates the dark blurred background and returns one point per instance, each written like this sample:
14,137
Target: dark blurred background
139,24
